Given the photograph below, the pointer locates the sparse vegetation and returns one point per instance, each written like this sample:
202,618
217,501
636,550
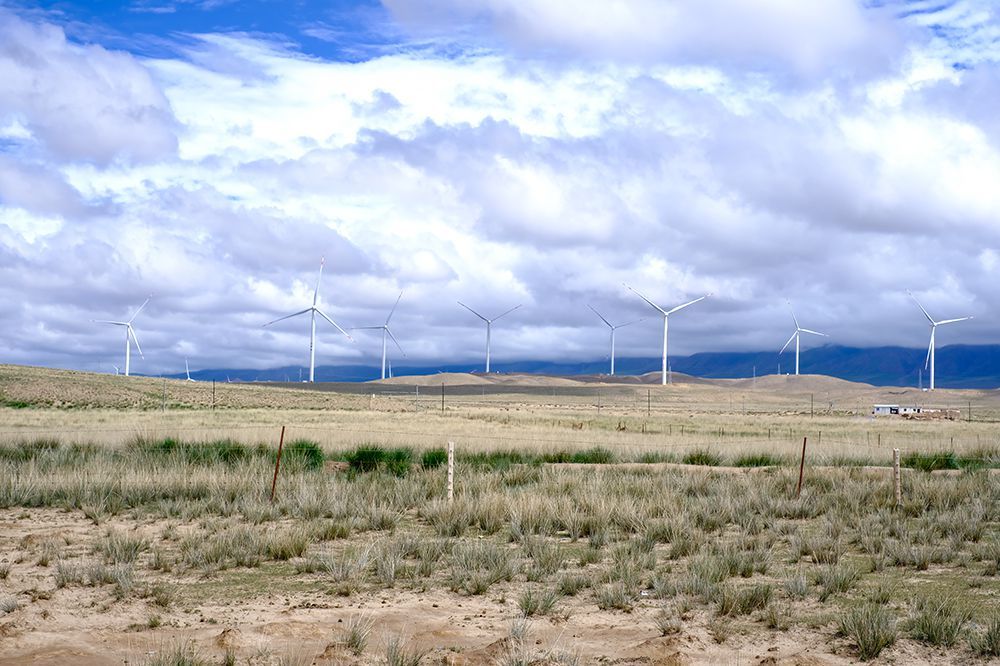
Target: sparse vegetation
871,627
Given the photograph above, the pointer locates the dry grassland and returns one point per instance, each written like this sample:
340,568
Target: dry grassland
137,533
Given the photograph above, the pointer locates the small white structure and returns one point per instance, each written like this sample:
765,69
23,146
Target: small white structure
895,410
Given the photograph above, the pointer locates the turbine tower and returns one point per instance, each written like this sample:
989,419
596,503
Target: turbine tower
613,328
666,317
187,370
129,335
313,311
489,327
934,325
385,333
795,336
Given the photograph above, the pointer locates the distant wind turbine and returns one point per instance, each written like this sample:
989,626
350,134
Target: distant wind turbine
489,327
934,325
129,335
117,370
313,311
795,336
187,370
385,333
613,328
666,316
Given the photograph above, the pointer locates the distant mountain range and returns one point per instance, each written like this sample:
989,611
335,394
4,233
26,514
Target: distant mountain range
958,366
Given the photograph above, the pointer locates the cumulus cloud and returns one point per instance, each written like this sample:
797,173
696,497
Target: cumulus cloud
803,36
495,178
80,102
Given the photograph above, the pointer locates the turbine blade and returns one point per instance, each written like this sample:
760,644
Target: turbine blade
930,346
105,321
952,321
395,341
789,342
131,331
323,315
393,310
294,314
366,328
322,262
920,306
629,323
506,313
473,311
806,330
681,307
599,315
661,310
797,327
140,309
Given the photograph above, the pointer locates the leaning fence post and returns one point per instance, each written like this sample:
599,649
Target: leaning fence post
277,462
802,466
451,471
896,479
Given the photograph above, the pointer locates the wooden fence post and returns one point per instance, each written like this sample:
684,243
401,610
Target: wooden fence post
277,462
802,466
896,479
451,471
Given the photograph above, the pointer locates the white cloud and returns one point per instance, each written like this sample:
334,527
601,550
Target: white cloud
493,178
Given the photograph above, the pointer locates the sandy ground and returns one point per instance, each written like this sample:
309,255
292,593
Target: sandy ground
263,623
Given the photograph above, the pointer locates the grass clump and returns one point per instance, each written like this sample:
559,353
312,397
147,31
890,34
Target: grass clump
930,462
304,454
397,653
871,627
702,457
745,600
181,654
359,629
986,642
121,547
433,458
366,459
835,580
758,460
938,621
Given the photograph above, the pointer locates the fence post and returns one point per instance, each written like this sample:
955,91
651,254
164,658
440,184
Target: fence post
451,471
277,462
896,479
802,466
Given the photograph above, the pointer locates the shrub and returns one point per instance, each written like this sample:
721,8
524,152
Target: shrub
702,457
938,621
871,627
433,458
398,461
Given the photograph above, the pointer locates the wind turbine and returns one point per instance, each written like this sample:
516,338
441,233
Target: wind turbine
666,316
187,370
489,327
613,328
129,335
117,370
795,336
313,311
385,333
934,325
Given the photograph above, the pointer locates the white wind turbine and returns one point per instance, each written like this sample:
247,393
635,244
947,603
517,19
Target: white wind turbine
795,336
313,311
129,335
613,328
187,370
385,333
666,316
934,325
489,327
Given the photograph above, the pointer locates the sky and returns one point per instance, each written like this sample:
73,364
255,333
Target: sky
830,153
